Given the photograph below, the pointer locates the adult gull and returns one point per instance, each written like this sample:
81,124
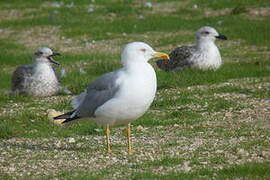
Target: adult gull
121,96
203,55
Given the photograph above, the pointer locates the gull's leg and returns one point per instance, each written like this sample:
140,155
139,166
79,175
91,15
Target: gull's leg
107,131
129,139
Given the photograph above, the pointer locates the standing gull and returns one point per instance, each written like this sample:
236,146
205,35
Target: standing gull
204,55
38,79
121,96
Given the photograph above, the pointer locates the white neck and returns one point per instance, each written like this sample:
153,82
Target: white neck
133,63
43,69
205,44
207,56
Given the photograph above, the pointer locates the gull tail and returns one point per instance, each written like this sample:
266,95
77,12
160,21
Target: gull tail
69,117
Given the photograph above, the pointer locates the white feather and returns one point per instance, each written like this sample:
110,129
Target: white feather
76,102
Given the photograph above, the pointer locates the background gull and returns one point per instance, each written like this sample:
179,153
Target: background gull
204,55
38,79
121,96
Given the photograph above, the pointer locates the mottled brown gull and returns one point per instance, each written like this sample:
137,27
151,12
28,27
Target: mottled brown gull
39,78
203,55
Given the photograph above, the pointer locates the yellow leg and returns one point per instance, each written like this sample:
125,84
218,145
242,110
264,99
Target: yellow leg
108,139
129,139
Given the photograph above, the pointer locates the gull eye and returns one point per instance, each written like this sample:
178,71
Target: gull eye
206,32
38,53
143,50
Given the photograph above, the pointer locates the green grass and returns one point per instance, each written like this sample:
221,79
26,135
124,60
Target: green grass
192,99
228,71
246,171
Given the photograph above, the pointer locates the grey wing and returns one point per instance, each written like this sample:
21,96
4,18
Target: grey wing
179,59
97,93
20,78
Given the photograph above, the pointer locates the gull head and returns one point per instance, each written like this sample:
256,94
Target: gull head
140,52
208,33
45,55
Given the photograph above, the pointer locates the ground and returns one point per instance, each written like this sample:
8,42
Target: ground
202,124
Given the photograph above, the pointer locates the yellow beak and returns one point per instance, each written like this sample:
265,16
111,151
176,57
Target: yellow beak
161,55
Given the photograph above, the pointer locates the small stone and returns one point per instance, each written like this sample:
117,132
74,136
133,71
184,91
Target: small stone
242,152
71,140
140,17
140,128
176,125
90,10
56,4
195,6
185,167
228,114
112,14
98,129
63,72
58,144
219,151
66,91
265,153
70,5
220,22
12,169
82,71
148,4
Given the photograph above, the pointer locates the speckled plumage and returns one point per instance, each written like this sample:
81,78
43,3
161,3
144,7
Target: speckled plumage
179,59
204,55
38,79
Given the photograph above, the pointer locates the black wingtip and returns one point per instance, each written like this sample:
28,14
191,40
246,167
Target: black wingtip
68,120
64,116
69,116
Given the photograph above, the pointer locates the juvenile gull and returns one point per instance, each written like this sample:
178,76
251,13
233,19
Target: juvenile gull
121,96
38,79
204,55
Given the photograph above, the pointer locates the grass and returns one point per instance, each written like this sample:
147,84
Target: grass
249,171
195,113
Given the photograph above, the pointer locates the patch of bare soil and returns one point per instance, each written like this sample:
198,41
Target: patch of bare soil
13,14
41,105
212,13
257,111
45,156
51,37
167,7
45,36
265,12
6,33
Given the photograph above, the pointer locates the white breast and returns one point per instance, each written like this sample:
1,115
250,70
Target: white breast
207,58
136,93
43,82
